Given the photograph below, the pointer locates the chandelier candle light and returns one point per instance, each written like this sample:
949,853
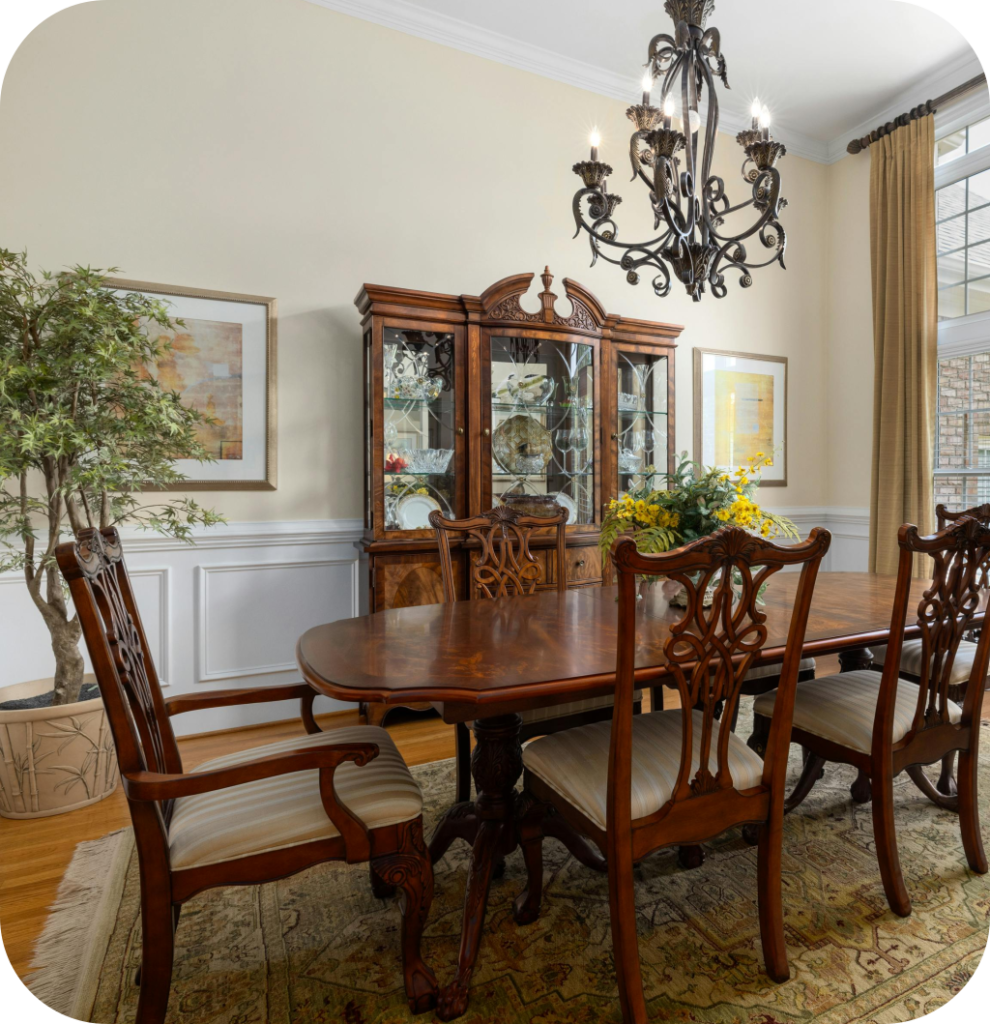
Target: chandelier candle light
689,205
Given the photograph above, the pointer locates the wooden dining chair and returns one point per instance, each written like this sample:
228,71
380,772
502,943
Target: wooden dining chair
249,817
911,652
674,778
884,724
505,566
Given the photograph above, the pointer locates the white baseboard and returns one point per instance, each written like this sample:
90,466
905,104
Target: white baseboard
227,610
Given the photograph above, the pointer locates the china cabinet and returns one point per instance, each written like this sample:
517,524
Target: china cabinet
475,400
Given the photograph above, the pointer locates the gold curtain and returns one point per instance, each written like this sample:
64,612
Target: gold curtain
905,337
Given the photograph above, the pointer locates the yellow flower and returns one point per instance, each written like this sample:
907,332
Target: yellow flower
722,514
743,480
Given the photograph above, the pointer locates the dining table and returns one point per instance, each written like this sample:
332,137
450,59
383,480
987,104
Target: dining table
485,661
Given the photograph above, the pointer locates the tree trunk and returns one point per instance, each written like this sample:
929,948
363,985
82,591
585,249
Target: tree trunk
69,665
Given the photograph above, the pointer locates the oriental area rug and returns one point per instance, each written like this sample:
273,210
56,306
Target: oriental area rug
319,948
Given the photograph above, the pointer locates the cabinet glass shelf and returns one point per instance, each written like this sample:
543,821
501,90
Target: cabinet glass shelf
403,472
643,412
531,409
412,403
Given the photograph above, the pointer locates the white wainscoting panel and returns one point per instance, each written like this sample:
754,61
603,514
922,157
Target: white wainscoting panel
249,616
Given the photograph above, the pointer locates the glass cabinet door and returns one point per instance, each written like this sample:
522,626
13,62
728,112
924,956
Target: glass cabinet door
543,423
419,427
640,436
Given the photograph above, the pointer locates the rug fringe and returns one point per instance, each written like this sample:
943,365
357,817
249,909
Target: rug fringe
73,943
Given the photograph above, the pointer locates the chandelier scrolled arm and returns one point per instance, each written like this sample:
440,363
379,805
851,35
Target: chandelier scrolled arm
690,204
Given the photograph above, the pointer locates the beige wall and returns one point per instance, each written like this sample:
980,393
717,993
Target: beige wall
275,147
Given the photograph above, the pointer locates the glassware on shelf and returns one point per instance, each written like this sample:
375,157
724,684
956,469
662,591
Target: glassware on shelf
414,387
534,389
630,461
429,460
568,393
629,402
530,464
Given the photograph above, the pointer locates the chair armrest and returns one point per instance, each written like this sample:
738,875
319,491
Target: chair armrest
182,702
353,831
161,786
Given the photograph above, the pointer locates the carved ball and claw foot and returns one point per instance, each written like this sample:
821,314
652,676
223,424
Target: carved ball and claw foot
690,857
861,790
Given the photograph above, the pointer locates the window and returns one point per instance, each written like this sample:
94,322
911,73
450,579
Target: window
962,215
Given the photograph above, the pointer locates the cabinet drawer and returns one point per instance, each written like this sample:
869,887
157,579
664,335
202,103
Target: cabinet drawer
583,564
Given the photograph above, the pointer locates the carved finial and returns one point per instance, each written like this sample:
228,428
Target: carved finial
547,297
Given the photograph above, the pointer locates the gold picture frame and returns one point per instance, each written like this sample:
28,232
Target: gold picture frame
719,377
263,451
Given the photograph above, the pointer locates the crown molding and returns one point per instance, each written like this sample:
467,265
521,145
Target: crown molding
460,35
945,78
448,31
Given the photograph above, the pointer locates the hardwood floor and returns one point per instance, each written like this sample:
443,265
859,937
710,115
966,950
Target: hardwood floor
35,854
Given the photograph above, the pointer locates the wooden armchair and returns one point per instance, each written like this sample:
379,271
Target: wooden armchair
884,724
676,778
249,817
911,651
506,566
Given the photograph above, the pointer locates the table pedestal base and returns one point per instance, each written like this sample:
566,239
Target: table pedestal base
490,825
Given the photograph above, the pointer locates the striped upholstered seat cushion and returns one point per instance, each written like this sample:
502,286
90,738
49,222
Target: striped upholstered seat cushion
911,652
574,763
841,708
286,810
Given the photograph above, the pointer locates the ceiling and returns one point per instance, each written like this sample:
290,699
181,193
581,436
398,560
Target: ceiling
828,69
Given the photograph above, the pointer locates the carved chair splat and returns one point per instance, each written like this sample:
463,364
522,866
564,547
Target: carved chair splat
946,784
159,790
629,807
911,723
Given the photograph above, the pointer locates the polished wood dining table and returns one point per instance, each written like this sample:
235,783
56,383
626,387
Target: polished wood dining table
485,661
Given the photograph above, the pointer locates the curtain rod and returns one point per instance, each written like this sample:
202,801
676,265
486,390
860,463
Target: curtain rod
928,107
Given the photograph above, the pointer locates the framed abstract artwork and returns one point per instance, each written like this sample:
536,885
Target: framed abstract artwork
222,363
740,408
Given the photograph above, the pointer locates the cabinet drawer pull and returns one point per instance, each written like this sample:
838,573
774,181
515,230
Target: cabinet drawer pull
486,432
460,430
579,565
615,437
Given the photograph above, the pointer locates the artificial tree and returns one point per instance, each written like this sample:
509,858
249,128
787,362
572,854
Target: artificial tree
84,428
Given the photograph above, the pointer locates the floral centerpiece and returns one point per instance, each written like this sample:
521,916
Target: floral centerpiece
696,502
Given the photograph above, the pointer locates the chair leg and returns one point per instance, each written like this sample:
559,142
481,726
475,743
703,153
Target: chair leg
761,733
885,837
861,790
814,769
769,883
946,784
969,811
409,869
157,950
463,740
625,943
526,908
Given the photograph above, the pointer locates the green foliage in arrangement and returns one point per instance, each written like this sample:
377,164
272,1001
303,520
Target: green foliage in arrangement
695,503
84,426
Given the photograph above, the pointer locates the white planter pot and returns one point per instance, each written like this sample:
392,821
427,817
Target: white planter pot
53,760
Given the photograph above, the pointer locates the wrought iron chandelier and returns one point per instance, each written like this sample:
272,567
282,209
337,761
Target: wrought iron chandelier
690,205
